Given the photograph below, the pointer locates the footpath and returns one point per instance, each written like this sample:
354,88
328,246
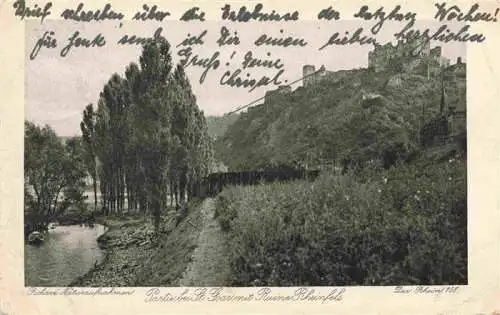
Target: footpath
208,266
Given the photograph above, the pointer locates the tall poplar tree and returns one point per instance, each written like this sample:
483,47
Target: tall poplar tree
149,135
151,128
87,127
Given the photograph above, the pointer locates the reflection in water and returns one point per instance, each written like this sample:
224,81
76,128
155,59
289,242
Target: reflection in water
67,253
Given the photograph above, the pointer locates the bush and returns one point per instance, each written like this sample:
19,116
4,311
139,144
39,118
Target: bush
403,226
224,212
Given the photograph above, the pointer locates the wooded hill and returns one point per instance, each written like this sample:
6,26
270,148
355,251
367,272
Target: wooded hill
351,116
217,125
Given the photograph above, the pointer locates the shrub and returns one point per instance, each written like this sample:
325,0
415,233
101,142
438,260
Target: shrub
224,212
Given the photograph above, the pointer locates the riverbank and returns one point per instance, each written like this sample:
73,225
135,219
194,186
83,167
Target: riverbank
132,258
126,243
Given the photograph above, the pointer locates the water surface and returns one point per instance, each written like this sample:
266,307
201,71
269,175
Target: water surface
67,253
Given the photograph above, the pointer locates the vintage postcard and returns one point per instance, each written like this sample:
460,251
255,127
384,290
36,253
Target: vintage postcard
248,157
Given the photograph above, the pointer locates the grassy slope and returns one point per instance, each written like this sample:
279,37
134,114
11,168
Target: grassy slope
167,265
352,229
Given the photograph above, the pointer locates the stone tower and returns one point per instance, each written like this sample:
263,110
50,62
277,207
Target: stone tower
426,48
307,74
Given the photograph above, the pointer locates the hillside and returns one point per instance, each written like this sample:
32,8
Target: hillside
399,219
217,125
350,116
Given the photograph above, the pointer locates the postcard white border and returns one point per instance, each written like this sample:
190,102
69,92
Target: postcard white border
482,295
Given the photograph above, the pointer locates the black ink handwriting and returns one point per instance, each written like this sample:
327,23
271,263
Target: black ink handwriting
250,61
329,14
284,42
46,41
382,16
226,38
77,41
151,13
25,12
134,40
88,16
454,13
443,34
193,40
233,79
192,14
194,60
356,37
244,15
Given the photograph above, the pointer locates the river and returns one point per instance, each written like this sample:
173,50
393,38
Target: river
67,253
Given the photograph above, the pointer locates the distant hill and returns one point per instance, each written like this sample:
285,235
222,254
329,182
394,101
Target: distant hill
217,125
358,116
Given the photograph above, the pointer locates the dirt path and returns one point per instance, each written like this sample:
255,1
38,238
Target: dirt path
208,266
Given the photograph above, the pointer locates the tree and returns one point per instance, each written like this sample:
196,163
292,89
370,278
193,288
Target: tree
53,170
180,138
134,180
149,135
102,143
192,156
151,122
114,96
87,127
74,168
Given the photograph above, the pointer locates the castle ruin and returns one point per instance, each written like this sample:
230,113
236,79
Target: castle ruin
406,56
311,76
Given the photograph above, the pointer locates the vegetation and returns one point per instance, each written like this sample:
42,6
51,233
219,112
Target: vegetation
87,127
54,173
217,125
397,214
148,136
406,225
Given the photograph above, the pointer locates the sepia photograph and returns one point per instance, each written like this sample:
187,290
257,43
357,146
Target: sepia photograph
243,155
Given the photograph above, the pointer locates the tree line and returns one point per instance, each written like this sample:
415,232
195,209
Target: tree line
147,139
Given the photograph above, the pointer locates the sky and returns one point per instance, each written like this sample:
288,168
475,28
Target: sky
58,89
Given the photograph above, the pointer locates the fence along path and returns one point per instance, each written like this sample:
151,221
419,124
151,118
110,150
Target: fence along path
213,184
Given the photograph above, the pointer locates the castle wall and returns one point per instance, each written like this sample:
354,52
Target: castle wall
379,58
444,62
436,52
281,90
284,89
426,50
307,70
416,48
